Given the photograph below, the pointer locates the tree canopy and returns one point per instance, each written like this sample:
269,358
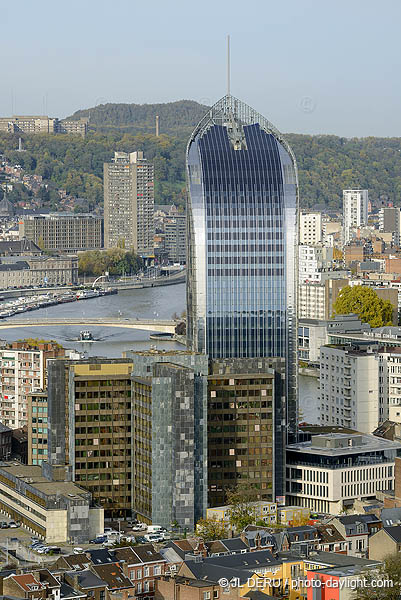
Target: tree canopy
383,583
242,511
364,302
116,261
209,530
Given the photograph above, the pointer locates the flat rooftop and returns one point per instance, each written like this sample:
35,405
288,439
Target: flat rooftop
32,475
367,443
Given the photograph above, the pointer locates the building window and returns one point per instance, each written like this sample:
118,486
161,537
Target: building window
139,574
157,570
206,595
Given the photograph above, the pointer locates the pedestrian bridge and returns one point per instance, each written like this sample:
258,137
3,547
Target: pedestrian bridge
167,326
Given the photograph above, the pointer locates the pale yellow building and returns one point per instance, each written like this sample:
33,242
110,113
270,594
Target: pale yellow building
293,516
263,511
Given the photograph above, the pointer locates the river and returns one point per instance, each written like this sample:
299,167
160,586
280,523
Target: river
145,303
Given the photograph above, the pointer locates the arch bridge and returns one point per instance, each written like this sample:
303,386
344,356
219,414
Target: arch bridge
166,326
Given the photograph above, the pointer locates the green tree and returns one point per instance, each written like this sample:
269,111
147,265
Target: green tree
364,302
209,530
241,512
114,260
389,571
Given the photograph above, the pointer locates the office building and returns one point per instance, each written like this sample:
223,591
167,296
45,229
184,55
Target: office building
330,472
310,228
129,203
389,220
64,232
349,393
242,240
355,212
22,372
29,124
246,427
78,127
55,510
175,229
37,424
89,427
43,124
169,437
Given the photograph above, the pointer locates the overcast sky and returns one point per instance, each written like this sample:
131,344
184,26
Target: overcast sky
309,66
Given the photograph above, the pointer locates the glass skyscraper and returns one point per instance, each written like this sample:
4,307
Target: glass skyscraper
242,240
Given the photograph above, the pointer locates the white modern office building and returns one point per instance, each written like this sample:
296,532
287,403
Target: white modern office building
329,472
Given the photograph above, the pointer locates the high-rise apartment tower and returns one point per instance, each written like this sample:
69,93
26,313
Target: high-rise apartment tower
129,203
355,211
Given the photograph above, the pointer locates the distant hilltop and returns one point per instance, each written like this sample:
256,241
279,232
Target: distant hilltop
175,118
327,164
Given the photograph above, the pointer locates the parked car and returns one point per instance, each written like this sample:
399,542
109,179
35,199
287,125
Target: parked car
156,529
139,527
110,531
153,537
4,525
140,539
132,522
78,550
99,540
13,524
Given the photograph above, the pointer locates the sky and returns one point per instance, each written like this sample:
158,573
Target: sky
309,66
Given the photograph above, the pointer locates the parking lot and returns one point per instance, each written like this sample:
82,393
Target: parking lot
18,540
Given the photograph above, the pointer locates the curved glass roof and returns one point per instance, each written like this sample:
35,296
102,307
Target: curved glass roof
231,112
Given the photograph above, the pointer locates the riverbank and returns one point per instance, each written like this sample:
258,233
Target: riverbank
26,304
130,285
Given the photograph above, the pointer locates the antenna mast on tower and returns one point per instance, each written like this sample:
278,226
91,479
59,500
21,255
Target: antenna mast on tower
228,66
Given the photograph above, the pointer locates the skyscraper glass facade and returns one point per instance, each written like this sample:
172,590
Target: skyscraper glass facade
242,238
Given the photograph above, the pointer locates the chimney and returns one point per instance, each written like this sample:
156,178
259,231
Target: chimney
201,549
157,125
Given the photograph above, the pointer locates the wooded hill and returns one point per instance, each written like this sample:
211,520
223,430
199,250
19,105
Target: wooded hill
327,164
